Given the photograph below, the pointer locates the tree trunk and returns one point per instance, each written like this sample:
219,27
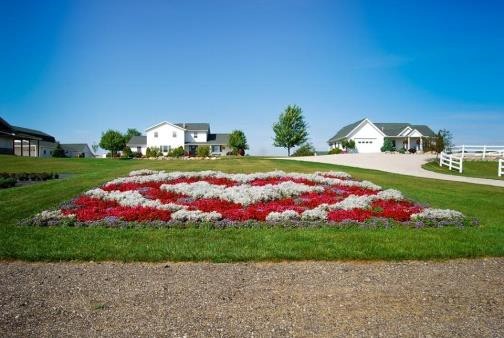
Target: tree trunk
288,151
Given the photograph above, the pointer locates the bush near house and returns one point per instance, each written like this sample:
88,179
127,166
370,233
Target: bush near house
335,151
387,145
305,150
238,142
348,144
203,151
127,153
153,152
58,152
177,152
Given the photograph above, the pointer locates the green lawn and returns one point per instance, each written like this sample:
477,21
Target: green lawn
65,243
482,169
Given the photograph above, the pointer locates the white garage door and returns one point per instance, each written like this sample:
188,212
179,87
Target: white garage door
368,145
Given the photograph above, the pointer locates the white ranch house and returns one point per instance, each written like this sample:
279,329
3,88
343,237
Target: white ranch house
369,136
166,136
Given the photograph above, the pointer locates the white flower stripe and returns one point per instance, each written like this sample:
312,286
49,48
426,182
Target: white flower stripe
132,198
243,194
437,214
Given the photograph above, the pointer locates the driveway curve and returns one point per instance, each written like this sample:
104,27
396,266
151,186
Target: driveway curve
404,164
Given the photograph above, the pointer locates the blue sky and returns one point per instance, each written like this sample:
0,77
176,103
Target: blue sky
76,68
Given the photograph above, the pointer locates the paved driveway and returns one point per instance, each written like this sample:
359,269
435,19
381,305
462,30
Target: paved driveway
405,164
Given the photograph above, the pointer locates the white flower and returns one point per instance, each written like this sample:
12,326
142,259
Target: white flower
195,216
437,214
243,194
48,215
317,214
390,194
354,202
287,215
143,172
132,198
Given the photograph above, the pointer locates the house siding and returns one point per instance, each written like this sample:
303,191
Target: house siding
165,137
367,139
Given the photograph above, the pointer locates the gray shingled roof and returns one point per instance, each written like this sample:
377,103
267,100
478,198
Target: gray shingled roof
76,147
215,139
425,130
194,126
389,129
343,132
137,140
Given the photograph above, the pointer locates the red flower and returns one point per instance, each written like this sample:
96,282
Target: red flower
359,215
398,210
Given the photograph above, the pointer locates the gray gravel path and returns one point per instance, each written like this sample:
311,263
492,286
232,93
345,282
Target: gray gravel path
404,164
452,298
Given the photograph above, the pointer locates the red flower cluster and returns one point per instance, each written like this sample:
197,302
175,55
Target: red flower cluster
396,210
259,211
93,209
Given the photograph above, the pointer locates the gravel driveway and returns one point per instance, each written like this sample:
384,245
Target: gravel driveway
452,298
404,164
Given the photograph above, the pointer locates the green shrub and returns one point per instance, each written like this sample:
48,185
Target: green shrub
177,152
7,182
153,152
402,151
127,153
203,151
305,149
58,151
335,151
387,145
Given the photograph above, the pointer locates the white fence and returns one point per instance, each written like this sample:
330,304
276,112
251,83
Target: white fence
451,161
478,151
500,169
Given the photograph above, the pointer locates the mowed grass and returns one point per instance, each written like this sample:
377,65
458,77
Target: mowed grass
204,244
481,169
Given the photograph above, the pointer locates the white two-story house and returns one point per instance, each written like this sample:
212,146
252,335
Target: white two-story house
166,136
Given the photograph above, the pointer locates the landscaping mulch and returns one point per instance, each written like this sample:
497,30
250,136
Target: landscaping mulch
450,298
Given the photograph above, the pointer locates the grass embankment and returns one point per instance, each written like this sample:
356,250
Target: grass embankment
66,243
481,169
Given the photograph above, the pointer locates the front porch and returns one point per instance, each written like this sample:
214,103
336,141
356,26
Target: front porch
407,143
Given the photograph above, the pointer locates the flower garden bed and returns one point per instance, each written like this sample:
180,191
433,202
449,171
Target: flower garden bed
169,199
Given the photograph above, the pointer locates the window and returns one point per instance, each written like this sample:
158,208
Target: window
165,149
45,151
139,149
216,149
155,134
195,135
174,134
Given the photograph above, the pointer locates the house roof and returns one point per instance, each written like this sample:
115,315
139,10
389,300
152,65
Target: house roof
137,140
161,123
425,130
389,129
194,126
343,132
213,139
76,147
